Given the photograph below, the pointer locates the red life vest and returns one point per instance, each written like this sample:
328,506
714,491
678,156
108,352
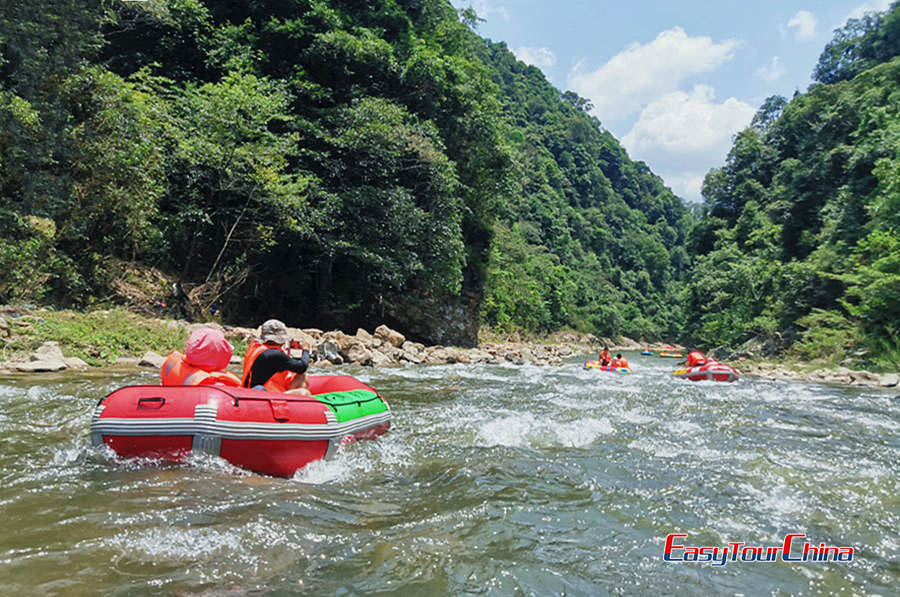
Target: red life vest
176,372
280,382
605,358
623,362
695,358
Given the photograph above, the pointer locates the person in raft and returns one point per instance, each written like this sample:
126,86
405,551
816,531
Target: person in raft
206,355
605,357
619,361
695,358
268,364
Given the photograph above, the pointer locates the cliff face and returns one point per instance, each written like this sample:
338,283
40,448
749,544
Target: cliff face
447,321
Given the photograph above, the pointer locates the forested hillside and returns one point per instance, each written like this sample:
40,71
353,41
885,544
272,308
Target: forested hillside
800,239
331,163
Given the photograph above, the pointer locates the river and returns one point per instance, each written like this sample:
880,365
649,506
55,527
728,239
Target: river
506,480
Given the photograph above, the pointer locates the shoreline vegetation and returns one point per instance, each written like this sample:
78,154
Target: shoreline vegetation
43,340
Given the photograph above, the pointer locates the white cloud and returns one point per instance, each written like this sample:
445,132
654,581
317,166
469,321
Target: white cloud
687,185
772,71
682,135
642,73
539,57
867,7
805,24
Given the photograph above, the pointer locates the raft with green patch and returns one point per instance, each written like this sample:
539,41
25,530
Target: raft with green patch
273,434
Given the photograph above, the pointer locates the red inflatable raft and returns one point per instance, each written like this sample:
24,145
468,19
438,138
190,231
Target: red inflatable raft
269,433
711,370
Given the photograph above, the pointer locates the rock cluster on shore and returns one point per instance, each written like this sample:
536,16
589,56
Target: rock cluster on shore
389,348
840,376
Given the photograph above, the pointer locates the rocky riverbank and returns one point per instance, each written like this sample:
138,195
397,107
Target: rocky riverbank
840,376
383,347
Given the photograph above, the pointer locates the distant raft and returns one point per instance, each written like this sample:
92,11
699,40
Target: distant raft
710,371
597,366
647,353
671,355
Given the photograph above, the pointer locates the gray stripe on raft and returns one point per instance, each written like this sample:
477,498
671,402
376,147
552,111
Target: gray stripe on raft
236,429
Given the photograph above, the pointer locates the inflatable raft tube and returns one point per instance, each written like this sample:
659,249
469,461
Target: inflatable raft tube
594,365
710,371
265,432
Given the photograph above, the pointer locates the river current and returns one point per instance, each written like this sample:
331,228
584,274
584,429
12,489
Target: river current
495,479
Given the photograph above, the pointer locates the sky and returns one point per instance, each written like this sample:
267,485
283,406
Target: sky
672,80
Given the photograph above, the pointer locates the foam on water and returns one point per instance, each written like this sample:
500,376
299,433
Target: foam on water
527,430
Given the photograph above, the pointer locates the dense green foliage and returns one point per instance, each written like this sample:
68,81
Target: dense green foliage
801,227
589,238
322,161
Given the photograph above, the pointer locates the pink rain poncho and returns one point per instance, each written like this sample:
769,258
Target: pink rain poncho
208,349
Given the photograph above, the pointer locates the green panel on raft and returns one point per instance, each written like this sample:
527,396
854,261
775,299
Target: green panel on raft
353,404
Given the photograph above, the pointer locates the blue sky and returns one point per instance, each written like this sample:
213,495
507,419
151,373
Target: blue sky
672,80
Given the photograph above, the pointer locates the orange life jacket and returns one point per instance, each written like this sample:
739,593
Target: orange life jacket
615,363
695,358
176,372
623,362
280,382
605,358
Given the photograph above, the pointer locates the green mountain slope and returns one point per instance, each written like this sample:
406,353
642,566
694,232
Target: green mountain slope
801,232
331,163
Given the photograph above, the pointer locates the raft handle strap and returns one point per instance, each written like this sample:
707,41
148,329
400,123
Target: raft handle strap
156,402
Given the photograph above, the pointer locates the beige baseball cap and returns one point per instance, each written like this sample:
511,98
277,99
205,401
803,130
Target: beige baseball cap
273,330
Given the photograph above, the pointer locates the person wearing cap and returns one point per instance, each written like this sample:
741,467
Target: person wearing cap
268,364
206,355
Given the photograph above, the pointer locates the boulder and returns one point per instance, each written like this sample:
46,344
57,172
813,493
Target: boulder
153,360
628,344
379,359
40,366
359,354
329,351
365,337
4,327
411,357
864,376
437,355
48,351
342,341
127,361
394,338
75,363
890,380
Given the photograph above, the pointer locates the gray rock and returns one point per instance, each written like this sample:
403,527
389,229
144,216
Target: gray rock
127,361
4,327
329,351
75,363
40,366
410,357
49,351
889,380
152,360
